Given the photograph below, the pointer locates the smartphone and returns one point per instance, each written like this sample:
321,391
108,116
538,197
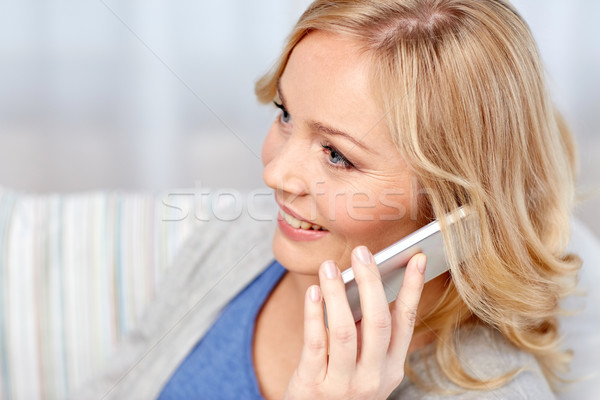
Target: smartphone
393,259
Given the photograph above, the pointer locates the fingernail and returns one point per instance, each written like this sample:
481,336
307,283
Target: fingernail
421,263
331,270
314,293
363,254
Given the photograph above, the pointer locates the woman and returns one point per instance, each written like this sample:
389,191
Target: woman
394,112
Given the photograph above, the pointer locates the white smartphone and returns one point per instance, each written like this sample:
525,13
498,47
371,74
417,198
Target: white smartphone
393,260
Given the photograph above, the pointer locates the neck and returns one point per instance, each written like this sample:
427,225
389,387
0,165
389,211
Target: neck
297,284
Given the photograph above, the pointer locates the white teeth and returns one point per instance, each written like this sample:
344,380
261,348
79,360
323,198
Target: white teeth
296,223
291,220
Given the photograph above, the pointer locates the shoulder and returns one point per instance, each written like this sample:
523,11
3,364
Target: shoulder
222,254
484,354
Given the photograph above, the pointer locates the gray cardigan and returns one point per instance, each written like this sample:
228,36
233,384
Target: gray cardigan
218,260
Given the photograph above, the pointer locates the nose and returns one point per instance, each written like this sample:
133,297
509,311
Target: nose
285,166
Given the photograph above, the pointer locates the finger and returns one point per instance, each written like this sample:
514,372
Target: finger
404,311
376,324
313,360
342,332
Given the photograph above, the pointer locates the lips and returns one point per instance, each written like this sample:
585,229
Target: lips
297,228
298,223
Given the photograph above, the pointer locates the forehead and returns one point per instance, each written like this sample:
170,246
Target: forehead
327,79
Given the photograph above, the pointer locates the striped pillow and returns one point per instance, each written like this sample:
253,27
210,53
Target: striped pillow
76,271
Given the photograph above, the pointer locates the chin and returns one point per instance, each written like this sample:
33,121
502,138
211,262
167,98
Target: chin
295,259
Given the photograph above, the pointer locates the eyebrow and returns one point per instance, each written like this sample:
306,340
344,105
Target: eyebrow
322,128
327,130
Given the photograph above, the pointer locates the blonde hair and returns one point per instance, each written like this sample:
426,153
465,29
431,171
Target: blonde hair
463,90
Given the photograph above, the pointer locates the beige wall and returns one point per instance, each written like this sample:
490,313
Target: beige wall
149,95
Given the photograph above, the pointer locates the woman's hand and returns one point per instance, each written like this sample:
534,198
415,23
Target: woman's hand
366,360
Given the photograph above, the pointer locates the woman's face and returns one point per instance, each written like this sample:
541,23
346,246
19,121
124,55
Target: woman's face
331,160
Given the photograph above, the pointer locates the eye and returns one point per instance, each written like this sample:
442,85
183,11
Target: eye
285,115
335,158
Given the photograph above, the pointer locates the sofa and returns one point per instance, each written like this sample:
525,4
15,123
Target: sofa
77,271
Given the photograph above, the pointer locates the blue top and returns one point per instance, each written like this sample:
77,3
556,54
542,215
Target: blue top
220,365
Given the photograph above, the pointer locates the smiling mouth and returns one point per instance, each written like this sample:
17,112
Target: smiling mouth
299,224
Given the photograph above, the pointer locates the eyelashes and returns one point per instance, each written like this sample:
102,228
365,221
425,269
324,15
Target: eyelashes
335,158
285,115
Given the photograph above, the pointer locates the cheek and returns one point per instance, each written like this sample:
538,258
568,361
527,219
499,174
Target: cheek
375,219
270,146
